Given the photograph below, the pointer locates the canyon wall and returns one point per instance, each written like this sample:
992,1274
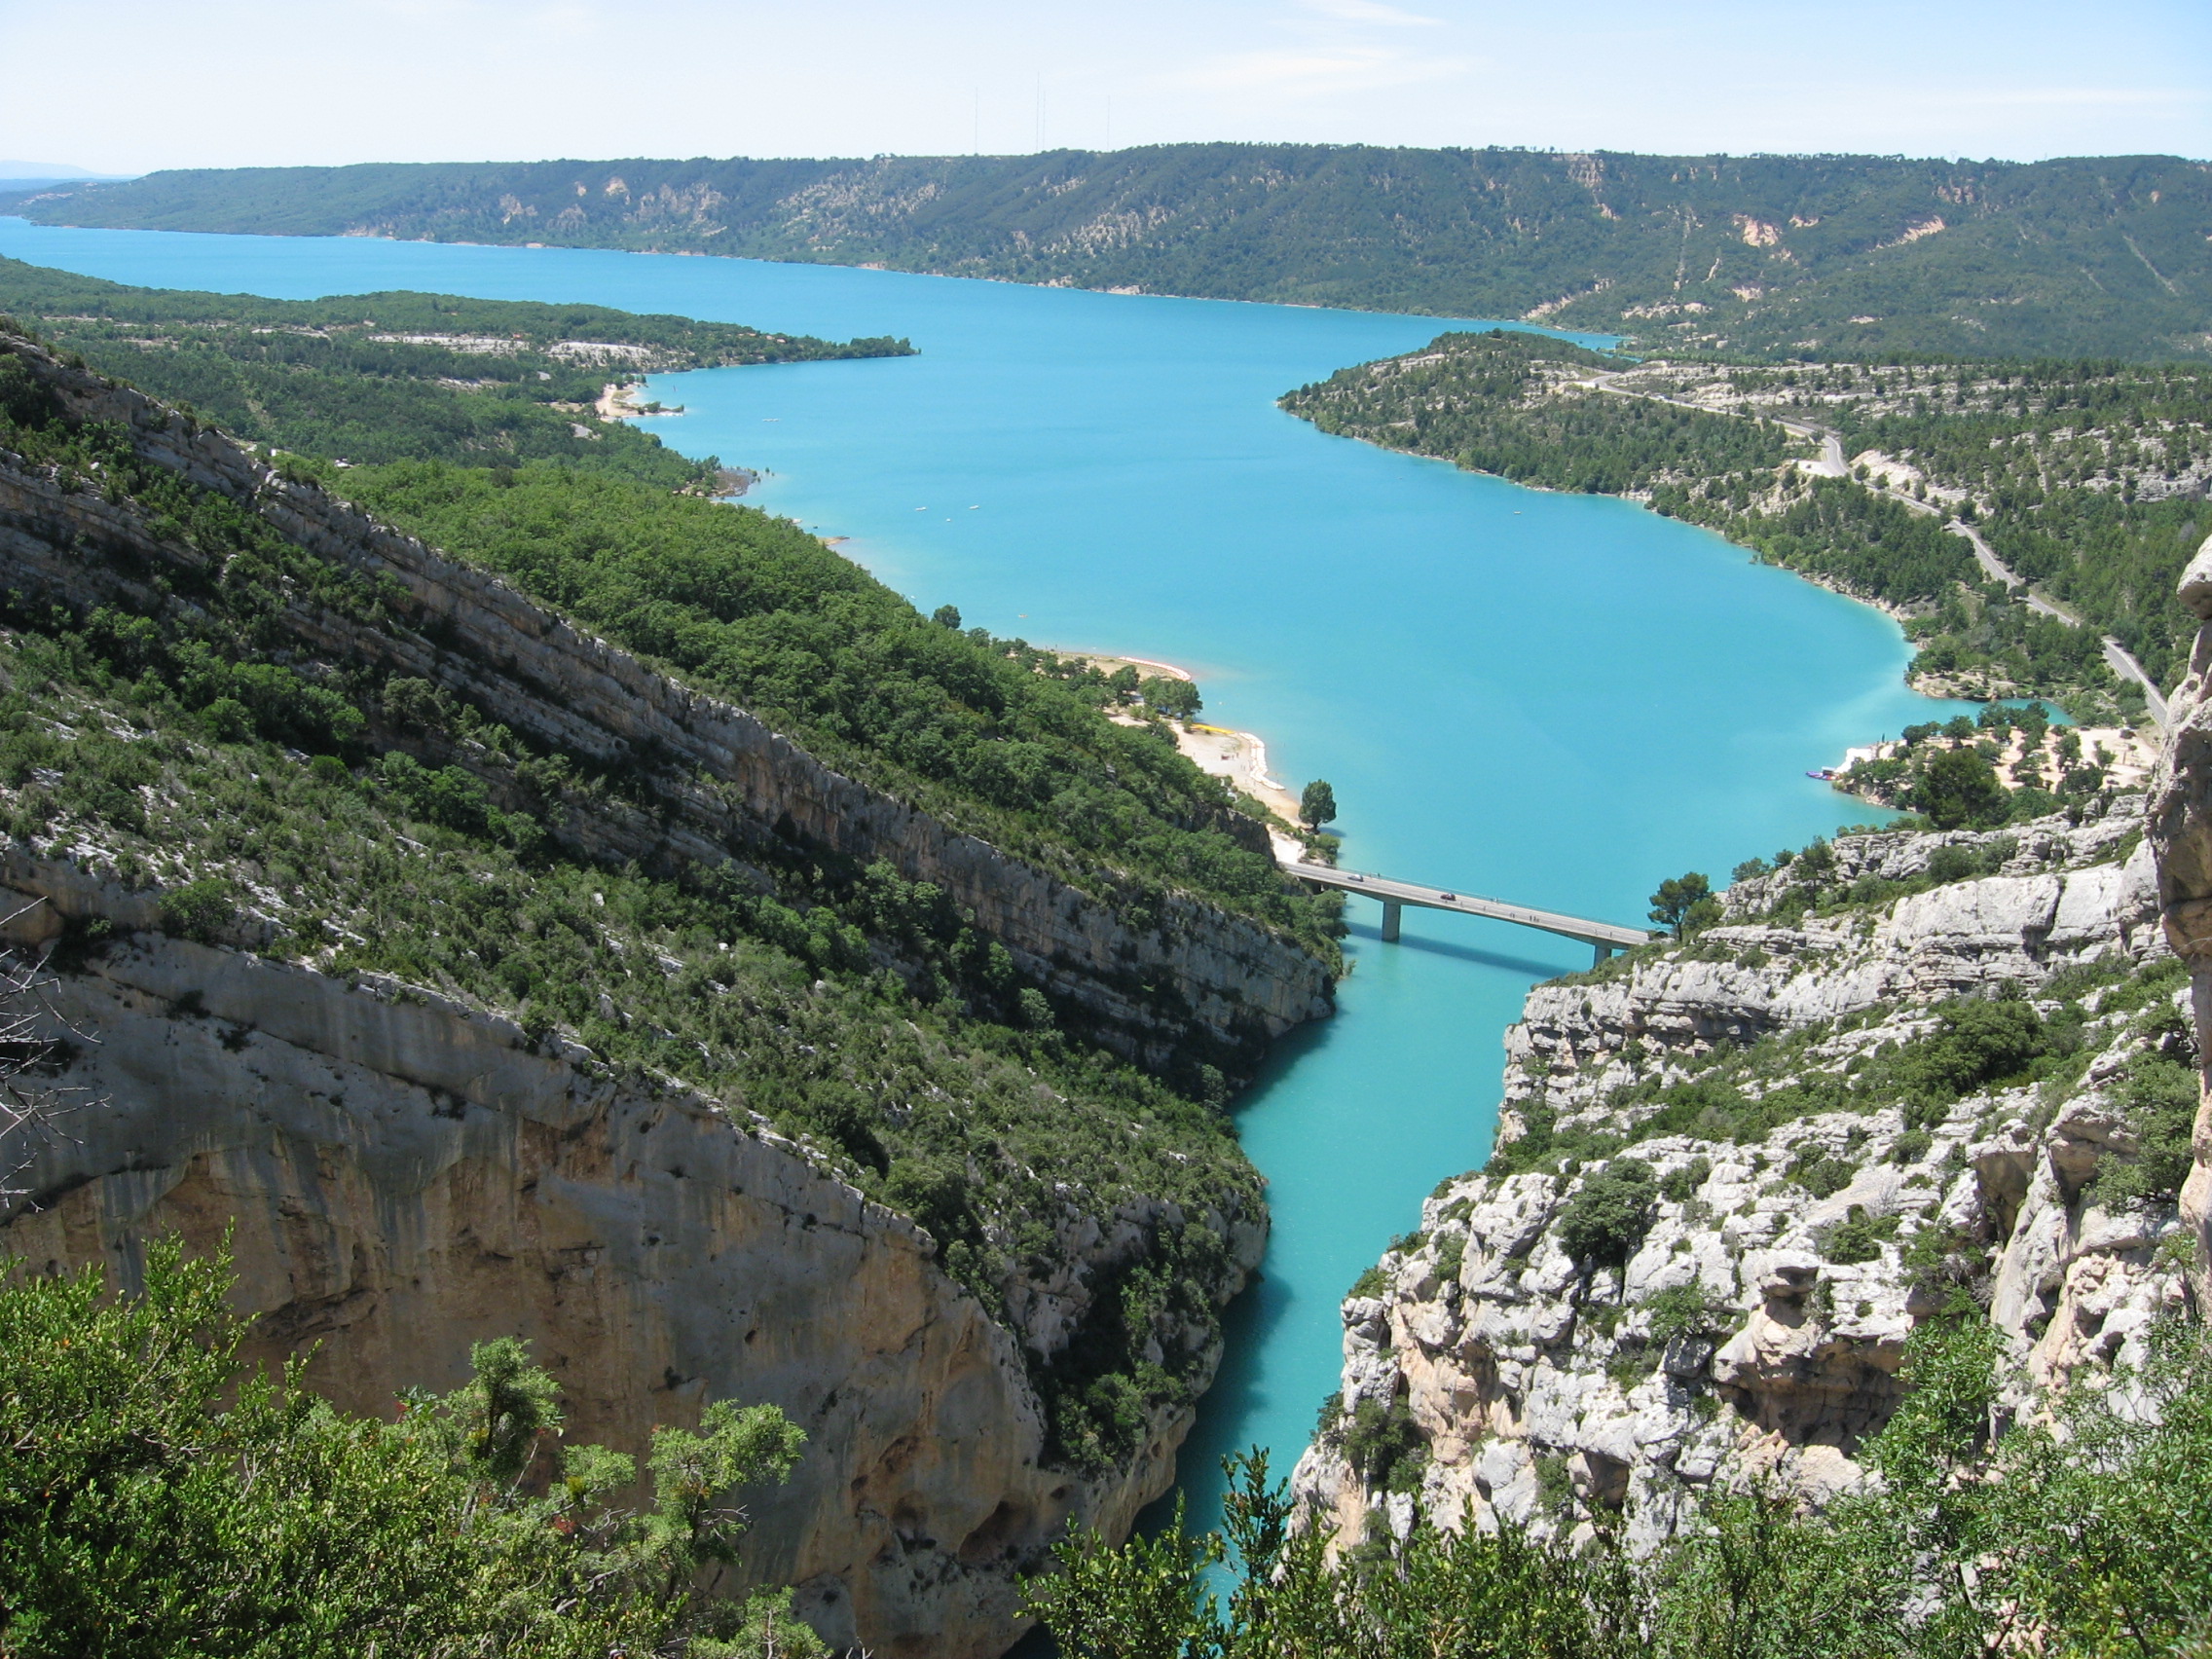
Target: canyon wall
2181,834
724,781
1742,1303
399,1174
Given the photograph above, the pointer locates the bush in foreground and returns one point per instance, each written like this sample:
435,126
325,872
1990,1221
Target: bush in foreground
158,1497
2090,1534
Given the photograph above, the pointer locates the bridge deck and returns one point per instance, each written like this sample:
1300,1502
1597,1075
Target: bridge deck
1607,935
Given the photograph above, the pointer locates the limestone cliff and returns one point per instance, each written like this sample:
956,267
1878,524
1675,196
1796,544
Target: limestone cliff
723,783
1733,1173
399,1177
404,1170
2181,832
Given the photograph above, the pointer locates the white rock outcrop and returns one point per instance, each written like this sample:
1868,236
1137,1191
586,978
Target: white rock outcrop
1759,1318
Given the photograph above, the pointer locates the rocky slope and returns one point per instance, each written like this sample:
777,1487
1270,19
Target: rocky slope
399,1177
404,1170
1732,1174
722,781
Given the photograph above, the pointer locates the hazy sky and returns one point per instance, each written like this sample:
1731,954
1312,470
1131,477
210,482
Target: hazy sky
134,84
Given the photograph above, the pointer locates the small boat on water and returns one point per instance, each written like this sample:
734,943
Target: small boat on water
1827,774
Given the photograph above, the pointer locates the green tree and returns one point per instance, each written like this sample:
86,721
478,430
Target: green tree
1172,699
2081,1539
1318,804
1958,788
1684,904
160,1498
1604,1223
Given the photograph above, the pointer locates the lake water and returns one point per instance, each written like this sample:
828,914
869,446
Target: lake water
1554,699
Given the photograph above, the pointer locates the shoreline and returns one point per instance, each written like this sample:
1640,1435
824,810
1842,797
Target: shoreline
1220,752
616,400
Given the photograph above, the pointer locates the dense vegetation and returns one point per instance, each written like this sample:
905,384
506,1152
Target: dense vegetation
307,805
2087,479
991,735
367,377
1008,742
1476,398
1844,255
159,1499
1944,772
2089,1535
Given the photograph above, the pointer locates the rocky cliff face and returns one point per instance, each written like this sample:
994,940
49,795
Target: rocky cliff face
399,1176
724,784
1733,1175
402,1173
2181,834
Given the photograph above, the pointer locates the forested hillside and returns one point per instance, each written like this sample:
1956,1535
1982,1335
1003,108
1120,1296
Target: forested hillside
198,732
1837,256
476,416
2087,479
369,378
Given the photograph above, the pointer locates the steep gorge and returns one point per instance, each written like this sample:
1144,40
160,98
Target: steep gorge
402,1170
1907,1073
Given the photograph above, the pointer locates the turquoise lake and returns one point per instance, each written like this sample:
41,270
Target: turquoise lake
1560,711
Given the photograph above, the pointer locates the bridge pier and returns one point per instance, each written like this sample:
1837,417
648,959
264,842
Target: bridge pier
1393,912
1603,956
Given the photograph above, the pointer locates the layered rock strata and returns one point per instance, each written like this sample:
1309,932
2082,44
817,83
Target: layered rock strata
1751,1313
726,784
401,1174
398,1176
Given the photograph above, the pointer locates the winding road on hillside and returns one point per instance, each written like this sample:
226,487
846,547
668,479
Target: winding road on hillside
1833,464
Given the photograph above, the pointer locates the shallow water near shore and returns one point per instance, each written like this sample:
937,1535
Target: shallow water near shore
1553,699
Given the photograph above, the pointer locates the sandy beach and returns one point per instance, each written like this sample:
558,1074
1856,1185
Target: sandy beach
1240,756
618,401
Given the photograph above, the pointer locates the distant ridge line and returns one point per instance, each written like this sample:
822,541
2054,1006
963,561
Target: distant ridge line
1761,256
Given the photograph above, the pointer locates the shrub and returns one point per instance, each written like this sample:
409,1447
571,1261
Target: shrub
198,910
1820,1172
1384,1446
1858,1236
1684,1311
1606,1220
163,1498
2161,1098
1680,1186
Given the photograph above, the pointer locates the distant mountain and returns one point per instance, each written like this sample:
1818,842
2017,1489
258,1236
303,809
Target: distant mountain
1770,256
47,173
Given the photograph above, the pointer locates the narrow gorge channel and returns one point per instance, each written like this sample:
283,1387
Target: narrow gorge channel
1558,699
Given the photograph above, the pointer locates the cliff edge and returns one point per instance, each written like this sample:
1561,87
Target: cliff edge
980,1262
1732,1173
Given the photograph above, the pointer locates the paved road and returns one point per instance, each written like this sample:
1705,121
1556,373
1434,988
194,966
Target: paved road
1607,934
2117,657
1832,464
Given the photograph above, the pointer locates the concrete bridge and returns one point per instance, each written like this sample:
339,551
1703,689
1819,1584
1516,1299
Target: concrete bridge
1605,937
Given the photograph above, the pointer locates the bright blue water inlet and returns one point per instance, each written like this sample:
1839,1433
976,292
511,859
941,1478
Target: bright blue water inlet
1557,699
